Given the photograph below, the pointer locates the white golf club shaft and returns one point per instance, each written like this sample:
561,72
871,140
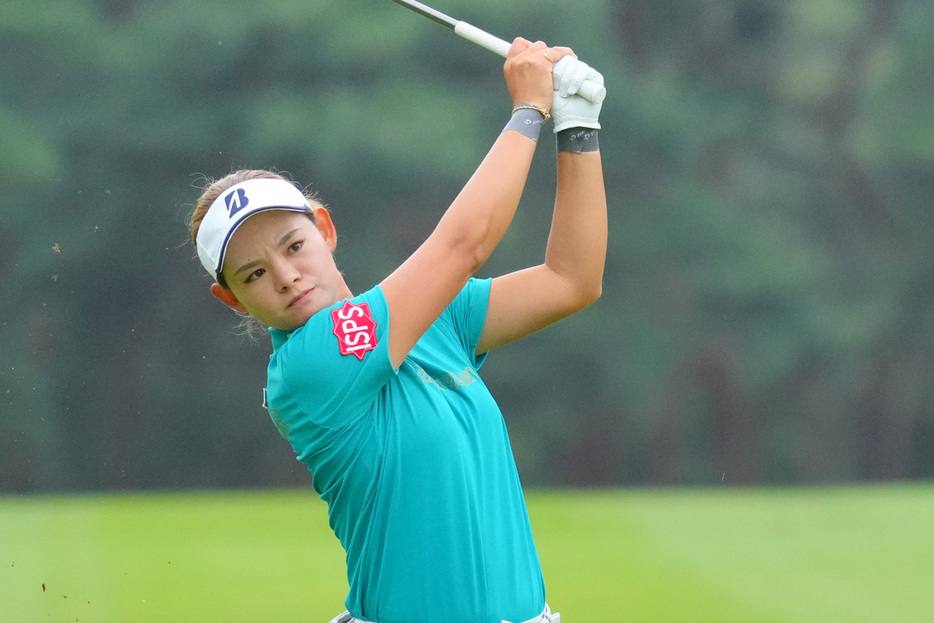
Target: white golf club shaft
589,90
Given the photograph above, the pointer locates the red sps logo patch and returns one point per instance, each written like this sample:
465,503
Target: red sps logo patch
355,329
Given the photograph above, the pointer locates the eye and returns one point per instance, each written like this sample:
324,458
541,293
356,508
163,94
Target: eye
256,274
296,246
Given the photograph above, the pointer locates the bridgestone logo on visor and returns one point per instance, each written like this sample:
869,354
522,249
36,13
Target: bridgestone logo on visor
355,329
236,201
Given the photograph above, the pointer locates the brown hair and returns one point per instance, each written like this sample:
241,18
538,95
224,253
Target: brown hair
215,188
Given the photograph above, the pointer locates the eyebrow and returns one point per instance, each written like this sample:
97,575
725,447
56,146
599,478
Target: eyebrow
282,242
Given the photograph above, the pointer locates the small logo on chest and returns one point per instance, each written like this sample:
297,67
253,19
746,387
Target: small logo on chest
355,329
451,380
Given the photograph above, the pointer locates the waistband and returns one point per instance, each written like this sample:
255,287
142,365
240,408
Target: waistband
547,616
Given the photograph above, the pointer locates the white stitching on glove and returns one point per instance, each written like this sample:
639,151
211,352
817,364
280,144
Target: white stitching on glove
568,109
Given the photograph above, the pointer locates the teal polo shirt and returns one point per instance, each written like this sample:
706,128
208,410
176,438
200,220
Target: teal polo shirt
415,464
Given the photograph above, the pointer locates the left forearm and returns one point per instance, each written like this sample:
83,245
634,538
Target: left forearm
571,277
576,248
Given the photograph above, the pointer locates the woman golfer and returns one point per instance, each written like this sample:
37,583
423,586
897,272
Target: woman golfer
378,392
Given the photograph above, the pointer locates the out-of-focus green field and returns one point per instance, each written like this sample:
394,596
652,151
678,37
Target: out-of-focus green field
861,554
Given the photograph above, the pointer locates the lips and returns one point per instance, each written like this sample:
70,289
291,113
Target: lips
301,297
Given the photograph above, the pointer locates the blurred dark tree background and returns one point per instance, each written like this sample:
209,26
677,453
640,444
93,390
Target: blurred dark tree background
768,310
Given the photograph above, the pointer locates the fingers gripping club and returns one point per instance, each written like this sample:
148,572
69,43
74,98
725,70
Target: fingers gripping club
589,89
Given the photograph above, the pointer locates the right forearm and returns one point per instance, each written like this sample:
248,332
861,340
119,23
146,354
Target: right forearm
481,213
462,241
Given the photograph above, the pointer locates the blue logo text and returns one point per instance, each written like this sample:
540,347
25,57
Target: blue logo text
236,201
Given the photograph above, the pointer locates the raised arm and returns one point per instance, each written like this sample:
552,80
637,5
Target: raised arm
571,276
425,284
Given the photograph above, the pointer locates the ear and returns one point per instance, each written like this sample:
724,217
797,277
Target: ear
326,226
227,297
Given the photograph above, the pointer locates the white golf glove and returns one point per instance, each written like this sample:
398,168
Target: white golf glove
568,109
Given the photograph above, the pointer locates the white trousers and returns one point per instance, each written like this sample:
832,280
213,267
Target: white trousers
545,617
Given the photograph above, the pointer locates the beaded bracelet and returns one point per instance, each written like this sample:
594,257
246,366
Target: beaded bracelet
544,113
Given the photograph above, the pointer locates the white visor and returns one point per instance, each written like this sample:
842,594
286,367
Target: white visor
237,204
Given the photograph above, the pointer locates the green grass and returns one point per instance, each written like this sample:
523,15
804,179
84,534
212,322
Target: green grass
860,554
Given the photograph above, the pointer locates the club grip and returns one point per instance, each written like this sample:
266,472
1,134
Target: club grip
592,91
483,39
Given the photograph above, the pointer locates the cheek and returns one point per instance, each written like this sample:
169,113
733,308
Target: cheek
253,297
314,261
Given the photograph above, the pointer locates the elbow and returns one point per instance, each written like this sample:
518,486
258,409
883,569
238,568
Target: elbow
582,295
591,293
577,290
596,292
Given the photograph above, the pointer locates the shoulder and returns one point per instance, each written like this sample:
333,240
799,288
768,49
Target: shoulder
351,326
336,362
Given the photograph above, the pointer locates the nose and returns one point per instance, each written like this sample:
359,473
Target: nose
286,275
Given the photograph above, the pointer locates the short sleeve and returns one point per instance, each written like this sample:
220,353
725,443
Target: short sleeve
466,316
334,366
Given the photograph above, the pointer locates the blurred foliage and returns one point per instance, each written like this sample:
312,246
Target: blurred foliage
767,311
